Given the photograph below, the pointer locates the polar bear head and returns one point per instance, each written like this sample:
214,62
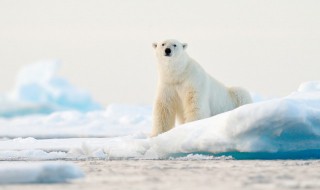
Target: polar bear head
169,50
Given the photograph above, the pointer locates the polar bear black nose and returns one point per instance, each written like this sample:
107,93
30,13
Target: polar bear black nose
168,51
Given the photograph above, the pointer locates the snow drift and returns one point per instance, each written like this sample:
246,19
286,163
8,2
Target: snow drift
39,90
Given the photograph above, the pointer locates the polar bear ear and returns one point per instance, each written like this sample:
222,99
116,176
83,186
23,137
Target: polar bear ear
184,45
154,45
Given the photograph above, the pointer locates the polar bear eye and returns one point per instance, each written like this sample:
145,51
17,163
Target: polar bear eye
162,44
174,45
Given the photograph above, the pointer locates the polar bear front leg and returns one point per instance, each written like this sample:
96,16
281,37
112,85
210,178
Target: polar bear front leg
164,113
191,106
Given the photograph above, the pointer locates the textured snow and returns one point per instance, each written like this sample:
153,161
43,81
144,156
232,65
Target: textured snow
45,172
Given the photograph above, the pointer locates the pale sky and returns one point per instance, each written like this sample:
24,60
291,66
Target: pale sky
268,47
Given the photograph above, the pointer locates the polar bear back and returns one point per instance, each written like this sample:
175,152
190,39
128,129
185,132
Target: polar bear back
217,96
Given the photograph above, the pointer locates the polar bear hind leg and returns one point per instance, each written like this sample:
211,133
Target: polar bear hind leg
240,96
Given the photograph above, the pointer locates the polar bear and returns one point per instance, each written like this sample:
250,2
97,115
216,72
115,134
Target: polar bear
186,92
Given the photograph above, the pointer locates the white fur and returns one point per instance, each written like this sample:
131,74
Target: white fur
186,92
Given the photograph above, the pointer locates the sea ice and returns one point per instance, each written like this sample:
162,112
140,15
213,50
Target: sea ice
115,120
38,90
286,127
45,172
309,86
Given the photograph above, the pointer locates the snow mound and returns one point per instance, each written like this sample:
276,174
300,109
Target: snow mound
288,125
39,90
48,172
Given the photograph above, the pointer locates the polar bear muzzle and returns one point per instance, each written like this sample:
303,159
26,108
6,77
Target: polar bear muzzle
167,52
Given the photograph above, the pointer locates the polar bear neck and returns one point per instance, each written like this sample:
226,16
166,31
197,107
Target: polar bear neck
174,71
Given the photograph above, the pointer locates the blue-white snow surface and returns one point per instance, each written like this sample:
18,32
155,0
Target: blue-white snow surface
45,172
287,128
38,90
